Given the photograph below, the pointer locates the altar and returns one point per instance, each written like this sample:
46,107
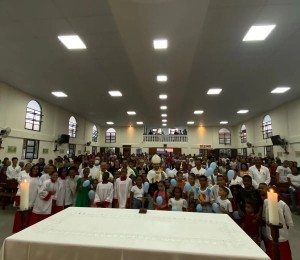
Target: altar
123,234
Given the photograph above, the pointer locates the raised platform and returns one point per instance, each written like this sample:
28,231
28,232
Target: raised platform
115,234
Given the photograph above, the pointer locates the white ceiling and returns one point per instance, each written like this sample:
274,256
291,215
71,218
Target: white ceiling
205,50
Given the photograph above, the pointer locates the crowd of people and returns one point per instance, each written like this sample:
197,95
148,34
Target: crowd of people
234,186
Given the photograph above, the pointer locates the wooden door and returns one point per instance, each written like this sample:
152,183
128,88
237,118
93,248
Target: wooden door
177,151
152,150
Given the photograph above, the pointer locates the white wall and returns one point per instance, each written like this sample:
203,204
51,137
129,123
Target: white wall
13,105
285,122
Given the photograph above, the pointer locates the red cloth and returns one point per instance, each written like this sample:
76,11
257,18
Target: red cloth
35,218
48,196
56,209
102,204
284,249
17,199
17,221
251,225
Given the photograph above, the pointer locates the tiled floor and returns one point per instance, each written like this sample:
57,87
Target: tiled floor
6,222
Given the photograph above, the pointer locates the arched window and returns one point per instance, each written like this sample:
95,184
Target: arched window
33,118
95,134
110,136
224,136
243,134
267,127
72,127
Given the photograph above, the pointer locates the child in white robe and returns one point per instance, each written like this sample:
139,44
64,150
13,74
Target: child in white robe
104,192
43,203
122,190
59,198
71,183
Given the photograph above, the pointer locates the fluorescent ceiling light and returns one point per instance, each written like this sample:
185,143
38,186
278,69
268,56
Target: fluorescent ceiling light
164,120
198,112
258,33
59,94
164,124
243,111
115,93
160,44
280,90
161,78
72,42
163,96
110,123
139,123
223,122
163,115
190,122
163,107
214,91
131,113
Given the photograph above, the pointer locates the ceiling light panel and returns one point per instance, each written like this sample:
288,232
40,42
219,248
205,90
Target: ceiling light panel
59,94
139,123
115,93
109,123
72,42
163,107
161,78
223,122
198,112
243,111
131,113
214,91
259,32
163,96
160,44
280,90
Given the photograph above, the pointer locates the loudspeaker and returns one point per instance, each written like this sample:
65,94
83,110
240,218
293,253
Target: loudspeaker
64,139
276,140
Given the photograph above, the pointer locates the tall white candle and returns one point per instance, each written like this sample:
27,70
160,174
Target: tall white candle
273,207
24,203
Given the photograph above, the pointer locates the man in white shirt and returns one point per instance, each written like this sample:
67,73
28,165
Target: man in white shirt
172,173
259,173
198,169
125,166
282,171
97,162
13,170
103,169
93,170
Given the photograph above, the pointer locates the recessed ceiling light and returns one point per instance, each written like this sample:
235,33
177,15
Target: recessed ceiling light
198,112
131,113
190,122
258,33
72,42
139,123
164,120
164,124
160,44
163,107
161,78
164,115
223,122
115,93
59,94
243,111
163,96
280,90
110,123
214,91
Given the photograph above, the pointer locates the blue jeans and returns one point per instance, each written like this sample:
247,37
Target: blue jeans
136,203
294,199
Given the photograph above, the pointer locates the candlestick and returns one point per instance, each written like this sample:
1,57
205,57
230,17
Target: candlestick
24,187
275,240
273,208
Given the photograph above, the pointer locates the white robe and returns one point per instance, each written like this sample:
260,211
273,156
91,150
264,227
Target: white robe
104,192
61,193
44,178
41,206
122,191
33,189
153,177
70,191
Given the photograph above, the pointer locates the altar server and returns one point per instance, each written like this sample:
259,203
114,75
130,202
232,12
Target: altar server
122,190
59,198
71,183
43,203
104,192
33,180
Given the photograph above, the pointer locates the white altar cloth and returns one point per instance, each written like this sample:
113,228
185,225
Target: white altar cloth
121,234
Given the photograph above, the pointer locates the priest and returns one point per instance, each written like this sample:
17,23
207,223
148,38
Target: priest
156,174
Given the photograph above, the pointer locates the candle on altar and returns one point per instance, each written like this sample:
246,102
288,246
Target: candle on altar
273,207
24,187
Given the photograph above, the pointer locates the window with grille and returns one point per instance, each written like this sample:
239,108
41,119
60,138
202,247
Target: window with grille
267,127
33,118
224,136
72,127
30,149
110,136
72,150
95,134
243,134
